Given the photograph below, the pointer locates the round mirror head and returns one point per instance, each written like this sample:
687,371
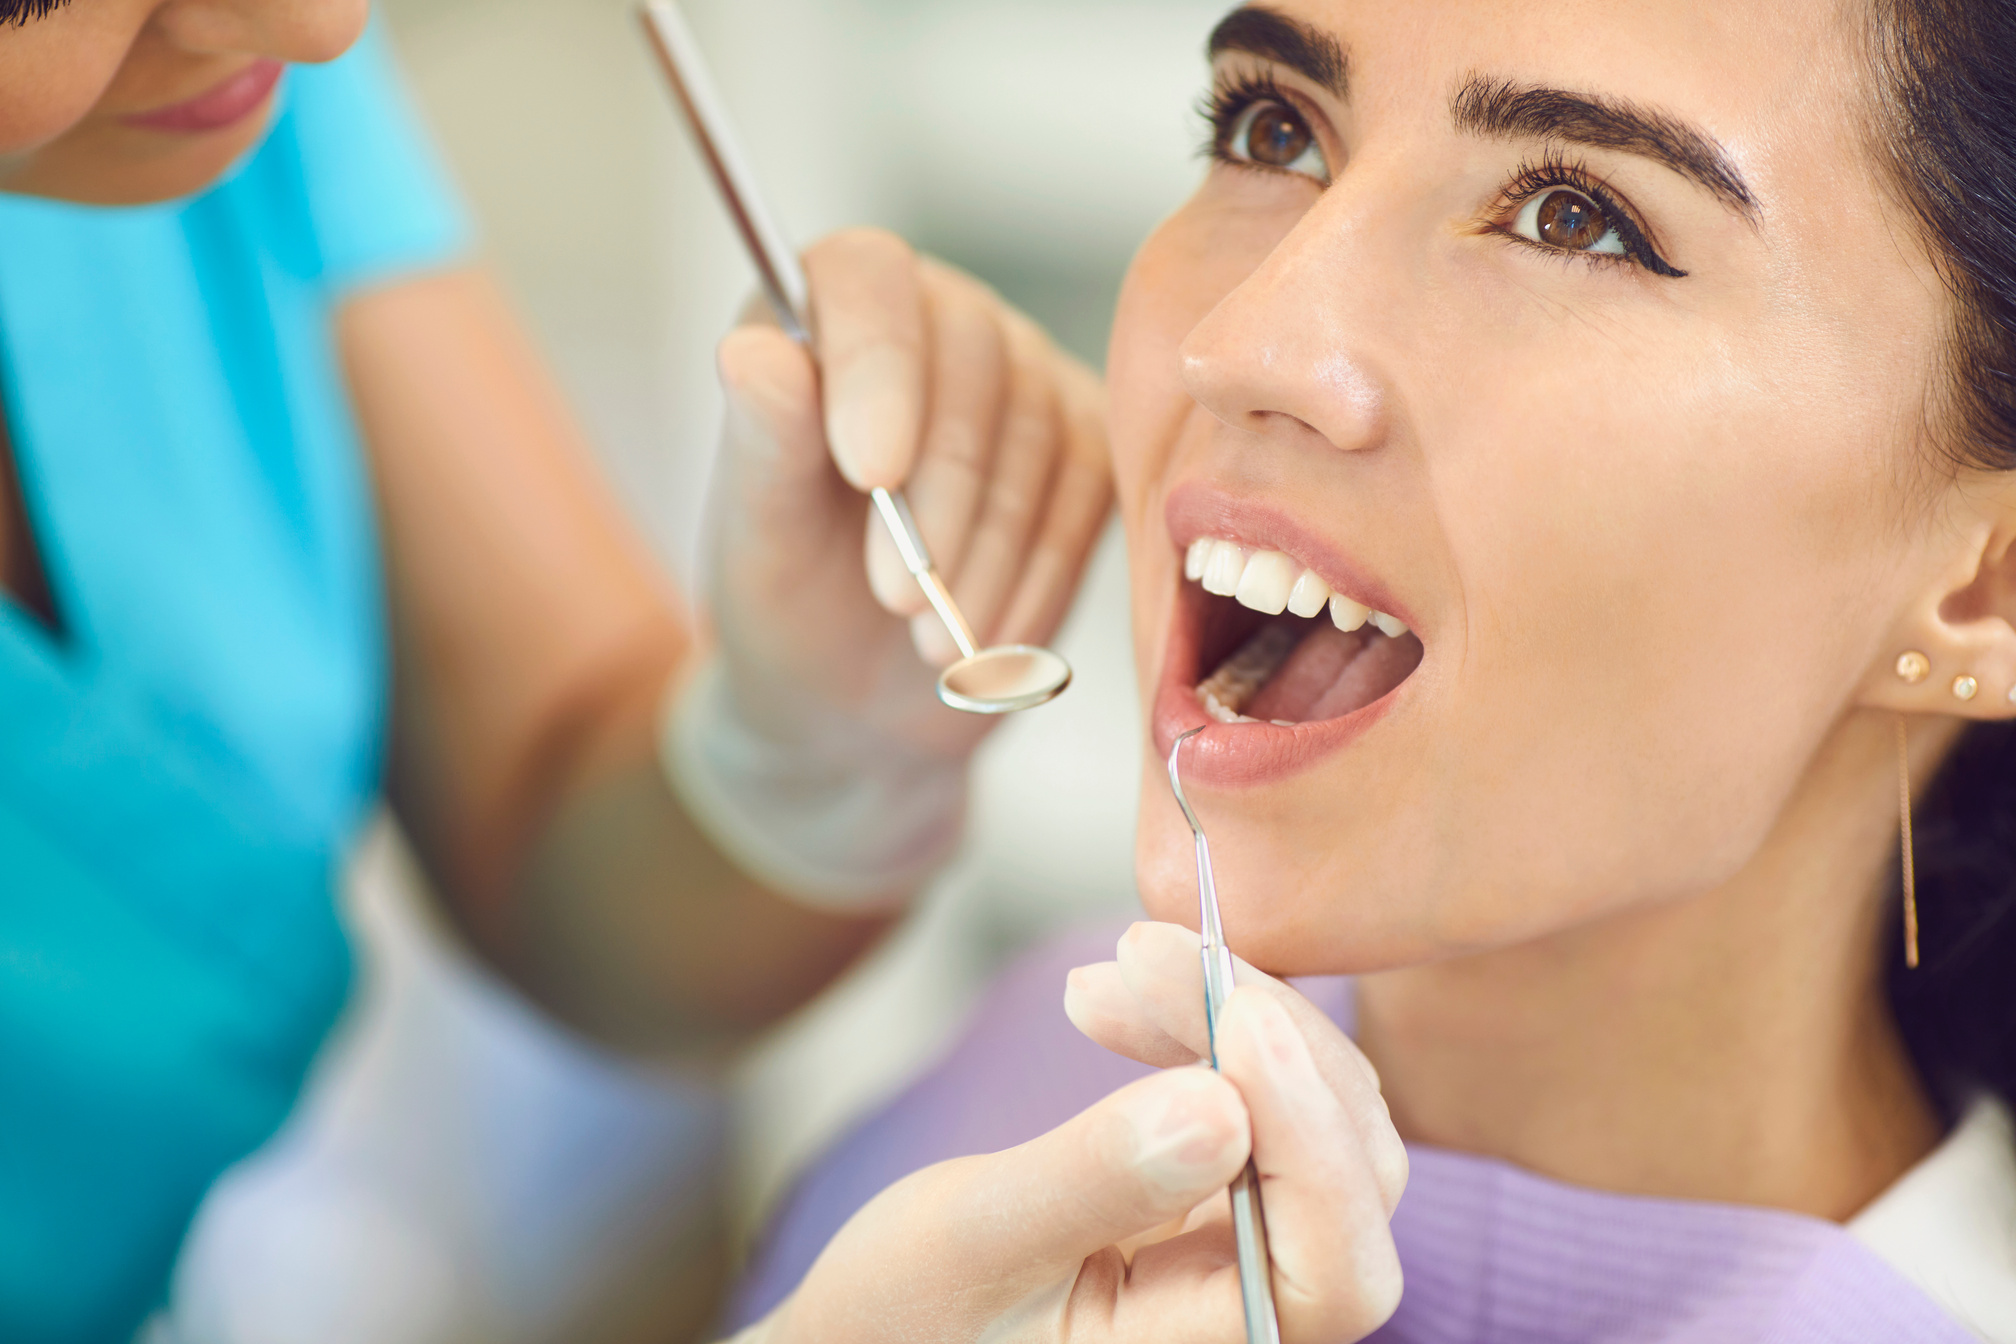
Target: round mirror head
1003,680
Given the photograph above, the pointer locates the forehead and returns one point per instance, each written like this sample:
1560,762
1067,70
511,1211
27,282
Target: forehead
1740,68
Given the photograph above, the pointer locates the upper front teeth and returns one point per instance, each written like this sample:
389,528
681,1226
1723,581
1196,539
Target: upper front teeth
1266,581
1271,582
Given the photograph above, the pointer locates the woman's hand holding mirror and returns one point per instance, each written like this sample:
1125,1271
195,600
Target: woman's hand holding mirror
918,376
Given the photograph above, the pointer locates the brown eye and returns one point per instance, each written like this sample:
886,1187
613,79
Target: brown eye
1276,136
1273,135
1568,220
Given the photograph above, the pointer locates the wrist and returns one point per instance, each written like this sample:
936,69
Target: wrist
832,817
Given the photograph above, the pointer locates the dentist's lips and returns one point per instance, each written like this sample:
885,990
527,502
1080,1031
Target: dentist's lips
222,105
1301,687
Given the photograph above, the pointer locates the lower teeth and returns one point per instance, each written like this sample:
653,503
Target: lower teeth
1239,678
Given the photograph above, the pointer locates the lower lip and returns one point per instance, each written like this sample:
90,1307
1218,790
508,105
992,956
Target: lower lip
1232,755
223,106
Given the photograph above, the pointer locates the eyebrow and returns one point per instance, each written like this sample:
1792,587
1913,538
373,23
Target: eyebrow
1259,31
1504,110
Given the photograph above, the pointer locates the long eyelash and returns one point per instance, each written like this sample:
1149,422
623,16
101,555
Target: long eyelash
20,13
1222,107
1554,171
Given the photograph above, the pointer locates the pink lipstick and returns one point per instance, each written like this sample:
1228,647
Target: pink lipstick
223,105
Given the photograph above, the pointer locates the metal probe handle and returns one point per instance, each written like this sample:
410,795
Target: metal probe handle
1249,1217
783,279
895,511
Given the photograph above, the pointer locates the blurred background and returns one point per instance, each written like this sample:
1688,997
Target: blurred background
461,1169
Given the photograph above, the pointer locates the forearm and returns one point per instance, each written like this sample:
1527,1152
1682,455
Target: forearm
624,920
576,871
533,643
597,893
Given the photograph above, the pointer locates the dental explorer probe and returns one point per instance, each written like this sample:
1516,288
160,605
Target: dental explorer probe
998,680
1249,1220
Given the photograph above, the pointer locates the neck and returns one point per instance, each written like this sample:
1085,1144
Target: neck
1733,1046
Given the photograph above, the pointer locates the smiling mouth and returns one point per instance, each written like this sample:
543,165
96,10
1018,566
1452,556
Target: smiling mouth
1275,643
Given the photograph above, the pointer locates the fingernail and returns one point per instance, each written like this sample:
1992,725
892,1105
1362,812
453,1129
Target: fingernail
1075,1006
1185,1137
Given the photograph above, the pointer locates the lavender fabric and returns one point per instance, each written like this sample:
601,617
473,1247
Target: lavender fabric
1492,1254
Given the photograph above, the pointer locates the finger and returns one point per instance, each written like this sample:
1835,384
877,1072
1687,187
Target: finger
775,439
868,331
976,1236
1081,500
968,362
1030,444
1099,1004
1336,1271
1161,967
1180,1290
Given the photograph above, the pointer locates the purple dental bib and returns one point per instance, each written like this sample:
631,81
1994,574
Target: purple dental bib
1492,1254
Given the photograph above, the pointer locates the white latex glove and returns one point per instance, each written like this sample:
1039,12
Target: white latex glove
821,737
1114,1226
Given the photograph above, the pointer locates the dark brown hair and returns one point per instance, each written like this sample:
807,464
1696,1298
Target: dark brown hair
1946,83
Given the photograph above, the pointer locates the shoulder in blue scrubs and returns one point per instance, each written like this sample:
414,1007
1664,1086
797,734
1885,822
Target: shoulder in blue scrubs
184,767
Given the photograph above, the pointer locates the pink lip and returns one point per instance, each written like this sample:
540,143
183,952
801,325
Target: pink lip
224,105
1228,755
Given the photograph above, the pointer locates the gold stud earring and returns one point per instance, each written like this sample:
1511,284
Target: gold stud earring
1964,687
1913,667
1904,845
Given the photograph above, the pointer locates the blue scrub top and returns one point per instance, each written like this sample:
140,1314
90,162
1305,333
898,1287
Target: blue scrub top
184,768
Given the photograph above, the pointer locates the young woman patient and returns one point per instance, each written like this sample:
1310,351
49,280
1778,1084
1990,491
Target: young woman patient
1565,453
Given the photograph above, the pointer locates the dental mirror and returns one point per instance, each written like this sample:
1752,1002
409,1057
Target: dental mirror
999,680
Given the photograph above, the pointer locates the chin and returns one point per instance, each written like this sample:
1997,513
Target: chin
109,168
1287,909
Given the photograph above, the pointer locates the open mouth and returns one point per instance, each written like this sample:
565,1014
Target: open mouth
1274,643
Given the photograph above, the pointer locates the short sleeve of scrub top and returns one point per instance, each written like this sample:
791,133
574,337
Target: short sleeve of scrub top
186,762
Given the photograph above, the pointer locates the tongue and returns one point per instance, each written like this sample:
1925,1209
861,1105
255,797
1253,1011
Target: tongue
1331,673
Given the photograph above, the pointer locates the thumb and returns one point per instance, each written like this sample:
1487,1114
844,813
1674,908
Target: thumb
971,1239
774,431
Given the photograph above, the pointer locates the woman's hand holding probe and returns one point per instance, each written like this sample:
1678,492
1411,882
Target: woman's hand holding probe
814,745
1115,1226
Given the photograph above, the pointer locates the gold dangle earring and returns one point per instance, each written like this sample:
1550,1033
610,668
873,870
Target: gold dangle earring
1904,844
1912,668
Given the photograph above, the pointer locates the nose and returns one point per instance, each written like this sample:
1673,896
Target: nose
297,31
1287,354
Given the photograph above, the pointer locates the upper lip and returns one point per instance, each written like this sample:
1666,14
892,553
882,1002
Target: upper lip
1198,509
191,112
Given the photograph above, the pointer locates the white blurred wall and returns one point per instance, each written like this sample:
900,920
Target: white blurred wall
461,1170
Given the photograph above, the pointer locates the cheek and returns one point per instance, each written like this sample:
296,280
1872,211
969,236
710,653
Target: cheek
1670,584
1144,385
49,80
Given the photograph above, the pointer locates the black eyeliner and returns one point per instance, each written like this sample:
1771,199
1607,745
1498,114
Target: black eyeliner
1532,179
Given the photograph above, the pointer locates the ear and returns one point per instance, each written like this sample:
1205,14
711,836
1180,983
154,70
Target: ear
1954,650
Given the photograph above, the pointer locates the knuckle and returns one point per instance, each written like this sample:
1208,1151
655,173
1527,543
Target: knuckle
862,242
959,286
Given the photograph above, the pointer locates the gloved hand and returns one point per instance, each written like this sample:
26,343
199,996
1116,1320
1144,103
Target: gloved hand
1114,1226
815,748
